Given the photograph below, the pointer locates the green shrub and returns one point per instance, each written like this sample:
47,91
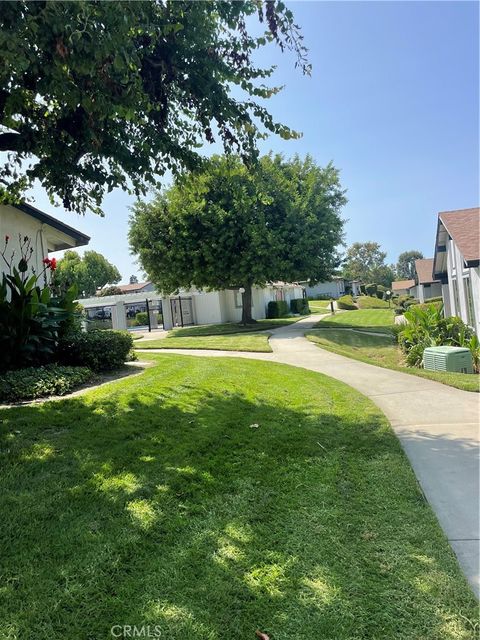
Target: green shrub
141,318
38,382
346,302
362,290
277,309
299,305
31,318
381,290
369,302
100,350
399,311
428,328
371,289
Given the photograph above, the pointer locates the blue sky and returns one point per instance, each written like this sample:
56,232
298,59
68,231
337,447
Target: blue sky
392,101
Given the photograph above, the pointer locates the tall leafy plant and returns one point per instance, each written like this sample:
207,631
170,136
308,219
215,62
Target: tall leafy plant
30,317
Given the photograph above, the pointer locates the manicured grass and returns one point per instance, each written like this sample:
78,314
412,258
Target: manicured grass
383,352
319,306
377,319
227,342
231,327
370,302
156,500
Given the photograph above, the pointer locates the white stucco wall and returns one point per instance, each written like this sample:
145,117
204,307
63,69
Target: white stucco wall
457,273
44,238
335,289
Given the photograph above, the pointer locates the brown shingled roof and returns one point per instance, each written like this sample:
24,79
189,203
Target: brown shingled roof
398,285
135,286
424,269
463,226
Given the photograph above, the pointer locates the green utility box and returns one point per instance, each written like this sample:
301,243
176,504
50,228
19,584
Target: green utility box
448,359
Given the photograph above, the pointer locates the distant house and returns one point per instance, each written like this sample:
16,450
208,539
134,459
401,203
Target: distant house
191,307
456,263
136,287
426,285
47,234
333,288
403,287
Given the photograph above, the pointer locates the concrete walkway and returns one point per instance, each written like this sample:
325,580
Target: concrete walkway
437,425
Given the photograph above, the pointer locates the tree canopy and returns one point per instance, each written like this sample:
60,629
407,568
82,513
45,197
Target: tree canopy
406,264
230,226
365,261
98,95
88,272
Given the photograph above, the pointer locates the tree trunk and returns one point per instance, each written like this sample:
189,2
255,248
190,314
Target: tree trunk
247,305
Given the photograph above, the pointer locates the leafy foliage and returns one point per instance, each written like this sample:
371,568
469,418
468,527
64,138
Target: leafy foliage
277,309
365,261
31,318
370,302
299,305
110,291
231,227
38,382
87,272
346,302
428,328
100,350
104,95
406,264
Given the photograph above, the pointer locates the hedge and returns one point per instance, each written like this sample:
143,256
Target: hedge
277,309
299,305
38,382
346,302
100,350
370,302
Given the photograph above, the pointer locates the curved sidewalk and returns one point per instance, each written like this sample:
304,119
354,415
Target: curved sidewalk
437,425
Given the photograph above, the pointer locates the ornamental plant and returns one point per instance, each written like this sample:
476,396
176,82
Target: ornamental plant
31,318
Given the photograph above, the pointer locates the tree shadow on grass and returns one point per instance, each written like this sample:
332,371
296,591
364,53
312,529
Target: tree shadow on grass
167,506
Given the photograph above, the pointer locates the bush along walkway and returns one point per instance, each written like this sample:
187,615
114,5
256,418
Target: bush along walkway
436,424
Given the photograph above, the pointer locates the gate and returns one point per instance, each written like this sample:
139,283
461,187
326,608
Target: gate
182,312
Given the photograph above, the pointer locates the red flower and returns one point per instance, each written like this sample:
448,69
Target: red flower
50,263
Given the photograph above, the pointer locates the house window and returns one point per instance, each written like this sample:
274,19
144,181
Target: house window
470,306
279,294
237,296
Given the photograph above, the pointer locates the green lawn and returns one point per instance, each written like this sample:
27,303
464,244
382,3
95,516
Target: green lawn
155,500
372,302
231,327
377,319
226,342
383,352
319,306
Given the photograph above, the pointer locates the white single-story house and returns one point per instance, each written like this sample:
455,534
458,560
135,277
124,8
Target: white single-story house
456,264
333,288
46,233
426,286
194,307
403,287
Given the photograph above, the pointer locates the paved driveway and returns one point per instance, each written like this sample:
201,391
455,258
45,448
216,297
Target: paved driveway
437,425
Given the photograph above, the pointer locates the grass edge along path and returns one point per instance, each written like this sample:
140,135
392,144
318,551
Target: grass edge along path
463,381
213,498
252,342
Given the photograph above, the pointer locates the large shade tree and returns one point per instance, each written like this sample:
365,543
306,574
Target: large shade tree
365,261
230,226
89,272
97,95
406,264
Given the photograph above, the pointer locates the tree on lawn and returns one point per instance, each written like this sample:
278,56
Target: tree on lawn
88,272
98,95
365,261
406,264
231,227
